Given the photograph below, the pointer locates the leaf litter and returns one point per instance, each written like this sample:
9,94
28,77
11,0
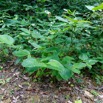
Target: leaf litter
16,87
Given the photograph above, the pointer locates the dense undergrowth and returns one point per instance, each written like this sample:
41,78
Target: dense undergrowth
53,39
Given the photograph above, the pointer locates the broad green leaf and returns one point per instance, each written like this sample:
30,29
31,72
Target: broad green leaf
11,22
51,57
89,7
6,39
34,44
24,34
32,62
75,70
67,59
65,74
36,34
25,31
21,53
76,20
79,65
83,57
99,7
61,19
88,65
56,65
100,59
92,62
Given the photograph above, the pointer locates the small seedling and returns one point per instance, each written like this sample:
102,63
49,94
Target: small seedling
94,93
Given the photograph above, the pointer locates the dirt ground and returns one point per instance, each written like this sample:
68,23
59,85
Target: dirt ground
18,88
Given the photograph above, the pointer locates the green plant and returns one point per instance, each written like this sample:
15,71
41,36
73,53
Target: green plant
58,46
94,93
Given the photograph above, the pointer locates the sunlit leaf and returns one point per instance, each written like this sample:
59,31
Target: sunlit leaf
25,31
61,19
89,7
56,65
32,62
99,7
21,53
78,101
34,44
6,39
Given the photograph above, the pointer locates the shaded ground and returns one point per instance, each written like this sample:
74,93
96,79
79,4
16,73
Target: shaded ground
17,88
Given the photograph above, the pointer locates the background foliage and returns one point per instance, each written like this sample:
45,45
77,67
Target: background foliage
52,37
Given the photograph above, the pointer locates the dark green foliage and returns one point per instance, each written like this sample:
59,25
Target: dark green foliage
48,40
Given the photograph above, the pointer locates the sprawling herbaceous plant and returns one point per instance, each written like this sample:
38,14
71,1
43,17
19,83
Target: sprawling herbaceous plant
59,46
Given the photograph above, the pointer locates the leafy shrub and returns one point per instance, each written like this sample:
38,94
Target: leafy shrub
58,46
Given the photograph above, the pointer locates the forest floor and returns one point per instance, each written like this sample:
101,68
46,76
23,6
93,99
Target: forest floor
18,88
